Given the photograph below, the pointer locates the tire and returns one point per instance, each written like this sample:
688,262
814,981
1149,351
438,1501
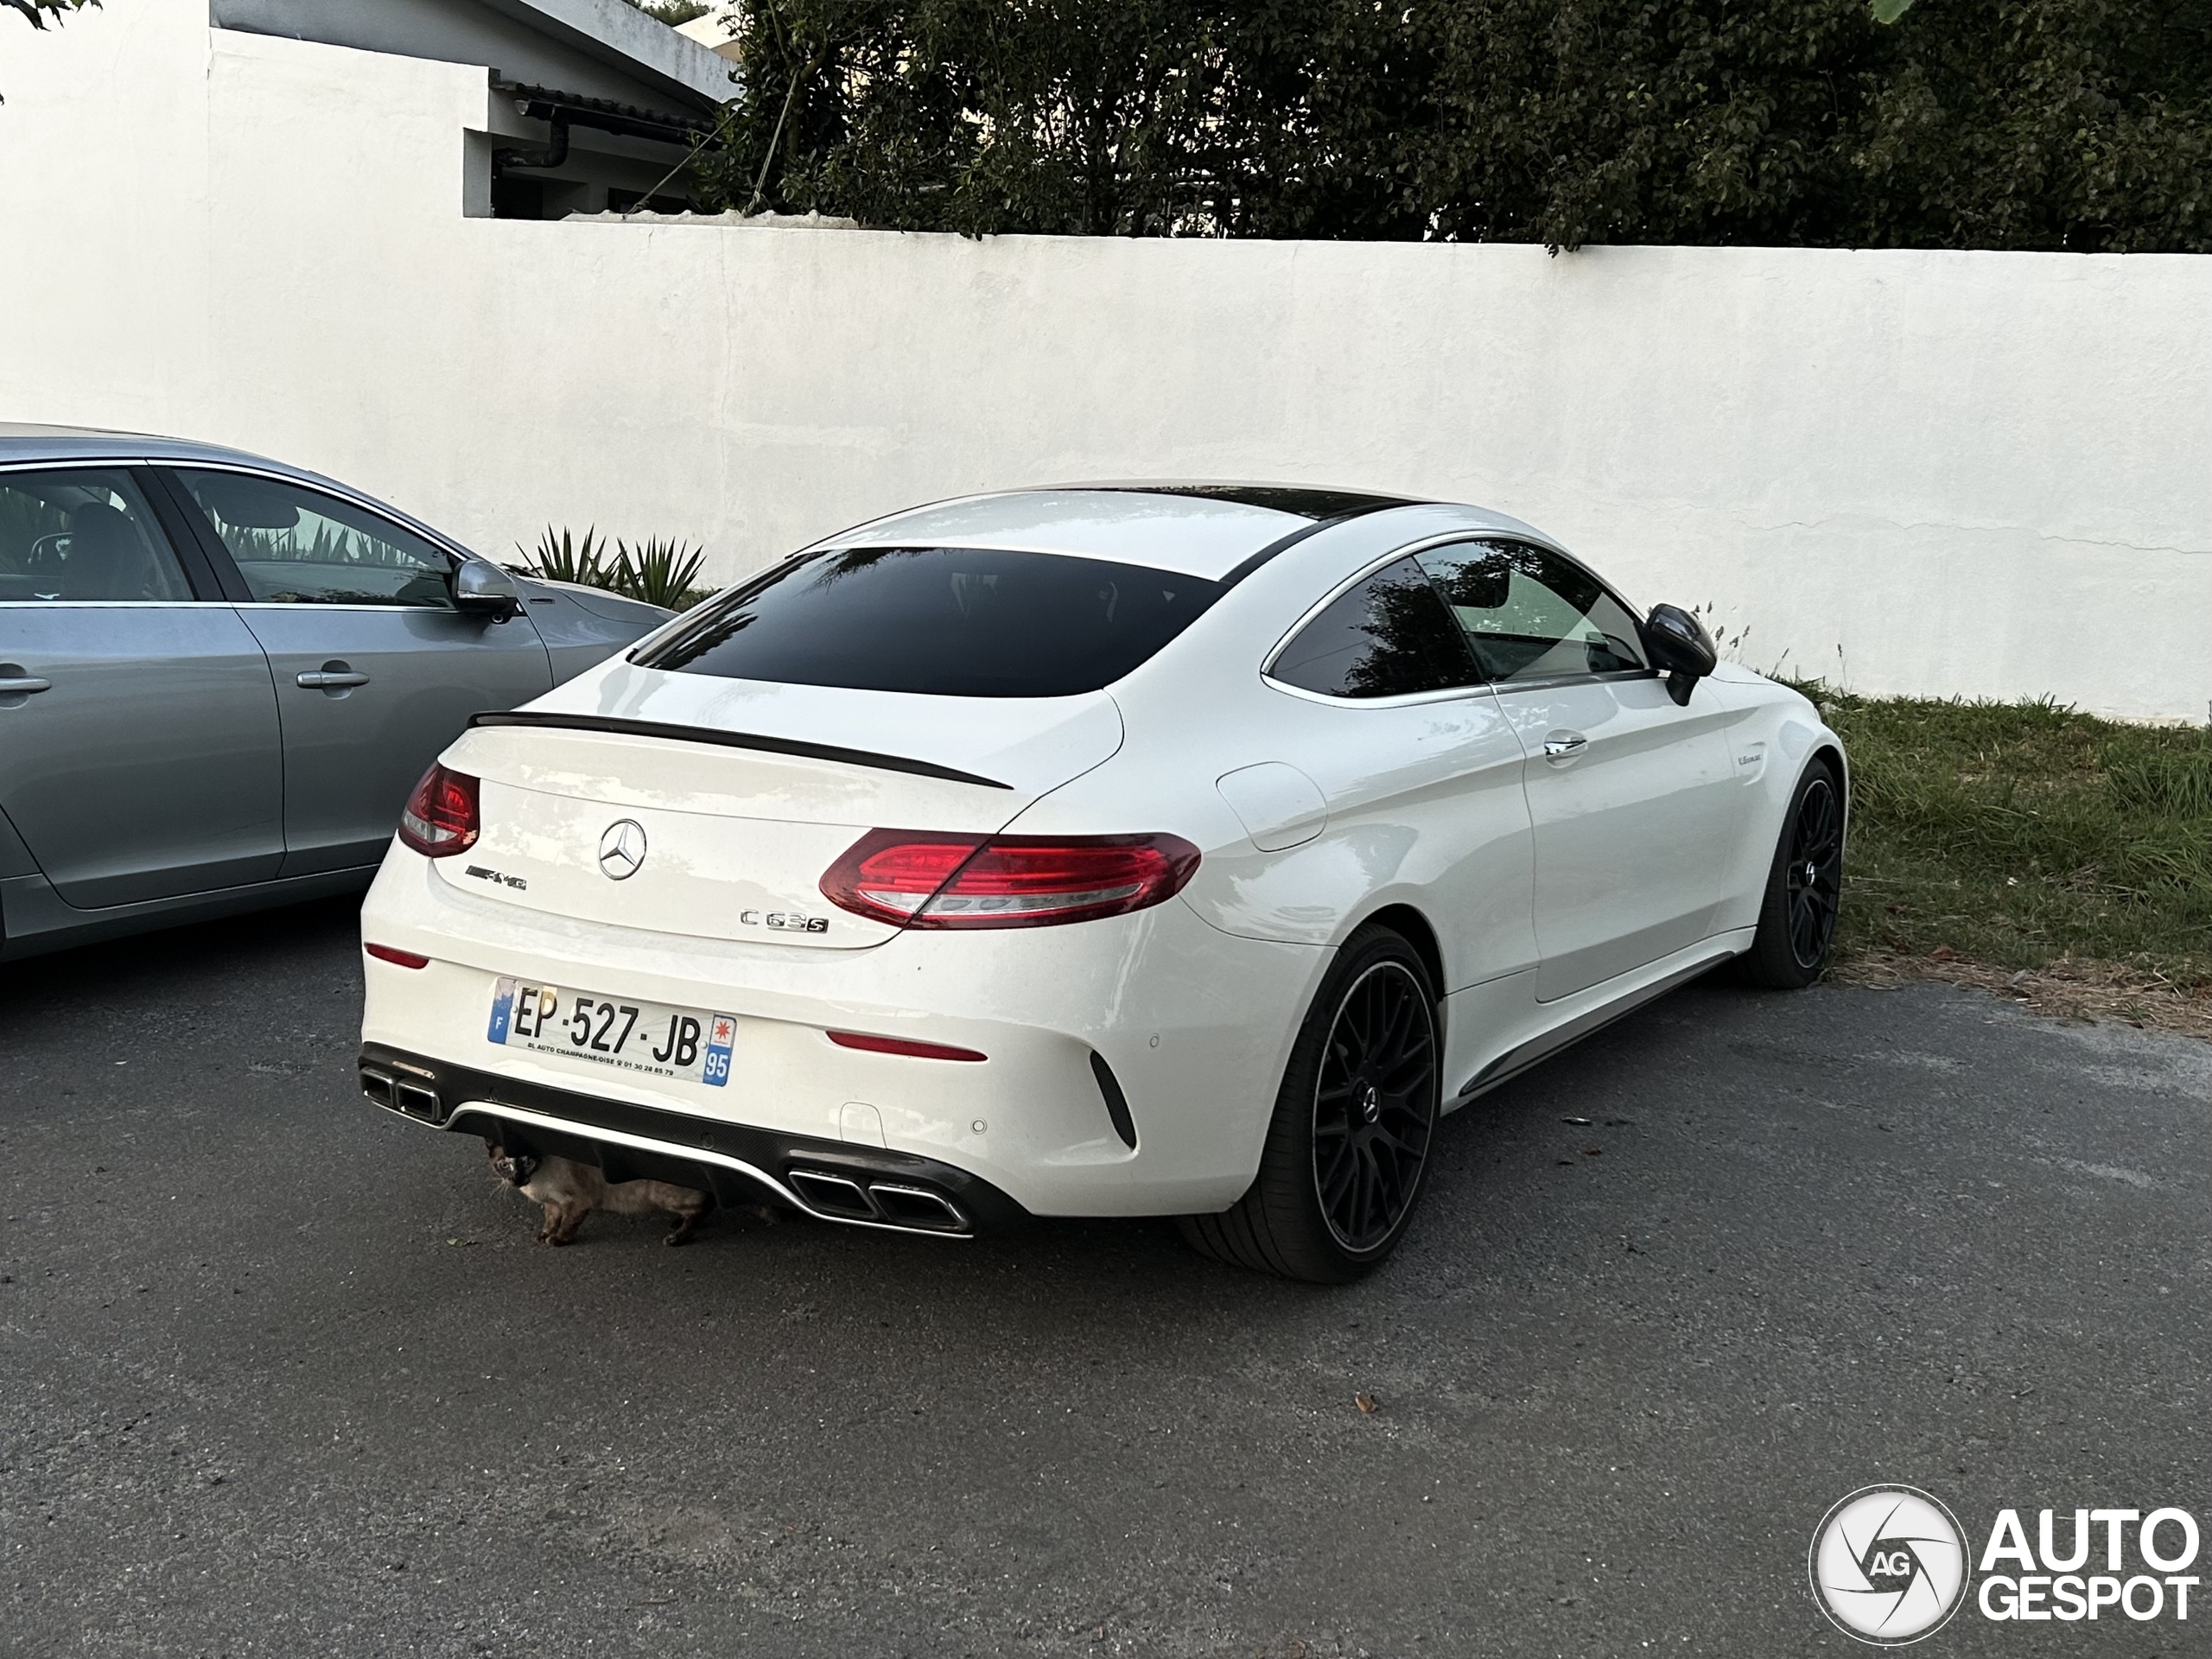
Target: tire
1355,1120
1804,887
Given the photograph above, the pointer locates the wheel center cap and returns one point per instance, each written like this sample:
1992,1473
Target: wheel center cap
1812,874
1370,1102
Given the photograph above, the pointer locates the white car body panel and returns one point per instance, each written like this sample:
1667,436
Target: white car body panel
1029,744
1636,831
1423,799
1164,997
1279,806
1557,895
738,838
1190,534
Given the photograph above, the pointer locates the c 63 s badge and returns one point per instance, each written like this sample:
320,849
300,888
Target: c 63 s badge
783,921
482,874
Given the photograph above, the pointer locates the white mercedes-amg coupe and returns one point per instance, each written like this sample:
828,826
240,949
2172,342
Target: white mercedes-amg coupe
1112,851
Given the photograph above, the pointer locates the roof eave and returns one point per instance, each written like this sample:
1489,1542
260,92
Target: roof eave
641,45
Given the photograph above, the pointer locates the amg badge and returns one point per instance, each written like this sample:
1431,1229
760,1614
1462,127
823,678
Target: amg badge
783,921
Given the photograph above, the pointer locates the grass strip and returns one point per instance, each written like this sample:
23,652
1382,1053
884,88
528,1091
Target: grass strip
2025,835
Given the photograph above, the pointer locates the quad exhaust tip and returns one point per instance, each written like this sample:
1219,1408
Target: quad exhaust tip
890,1203
411,1096
917,1206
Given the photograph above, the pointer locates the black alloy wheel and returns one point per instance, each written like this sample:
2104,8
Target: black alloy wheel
1355,1117
1372,1111
1812,873
1804,888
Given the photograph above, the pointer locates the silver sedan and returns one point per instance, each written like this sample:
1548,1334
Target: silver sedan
221,676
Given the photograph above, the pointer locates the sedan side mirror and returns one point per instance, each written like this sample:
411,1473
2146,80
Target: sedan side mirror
1680,648
481,589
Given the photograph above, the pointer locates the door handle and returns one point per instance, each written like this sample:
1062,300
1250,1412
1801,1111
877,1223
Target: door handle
327,680
1564,746
17,687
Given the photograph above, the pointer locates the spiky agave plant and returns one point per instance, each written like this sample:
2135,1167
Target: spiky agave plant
560,558
659,572
664,572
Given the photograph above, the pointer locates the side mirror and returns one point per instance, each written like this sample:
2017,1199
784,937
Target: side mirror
1680,648
481,589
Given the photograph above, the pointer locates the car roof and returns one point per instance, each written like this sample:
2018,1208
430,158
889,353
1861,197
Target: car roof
23,441
1195,529
28,441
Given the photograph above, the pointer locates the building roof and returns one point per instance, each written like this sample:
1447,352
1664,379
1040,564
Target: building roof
712,31
604,50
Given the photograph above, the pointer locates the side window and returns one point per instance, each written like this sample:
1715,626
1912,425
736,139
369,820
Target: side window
297,546
1532,615
1386,636
85,533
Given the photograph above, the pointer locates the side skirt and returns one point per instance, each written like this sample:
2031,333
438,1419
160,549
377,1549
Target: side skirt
1613,1004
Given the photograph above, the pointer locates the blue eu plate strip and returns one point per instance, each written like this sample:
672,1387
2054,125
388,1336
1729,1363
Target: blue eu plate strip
502,1007
716,1071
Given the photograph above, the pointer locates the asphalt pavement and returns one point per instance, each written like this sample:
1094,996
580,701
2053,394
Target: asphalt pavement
282,1374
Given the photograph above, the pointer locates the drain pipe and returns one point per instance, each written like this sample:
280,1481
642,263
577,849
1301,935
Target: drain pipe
552,157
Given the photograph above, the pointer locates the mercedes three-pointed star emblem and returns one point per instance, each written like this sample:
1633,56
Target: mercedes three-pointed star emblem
622,849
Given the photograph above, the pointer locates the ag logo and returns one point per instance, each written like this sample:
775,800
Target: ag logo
1889,1565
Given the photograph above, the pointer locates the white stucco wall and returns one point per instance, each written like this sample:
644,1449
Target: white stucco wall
1940,473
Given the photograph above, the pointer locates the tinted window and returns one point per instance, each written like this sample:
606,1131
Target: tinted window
955,621
1532,615
297,546
83,534
1386,636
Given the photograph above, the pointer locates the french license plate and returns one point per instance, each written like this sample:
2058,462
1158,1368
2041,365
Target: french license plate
624,1034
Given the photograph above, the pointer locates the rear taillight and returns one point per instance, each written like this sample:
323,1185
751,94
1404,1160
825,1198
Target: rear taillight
440,818
920,878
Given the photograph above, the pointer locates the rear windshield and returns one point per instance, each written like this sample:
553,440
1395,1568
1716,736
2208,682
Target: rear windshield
951,621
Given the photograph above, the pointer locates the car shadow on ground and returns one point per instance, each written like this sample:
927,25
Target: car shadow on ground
1523,1166
318,938
301,961
1556,1162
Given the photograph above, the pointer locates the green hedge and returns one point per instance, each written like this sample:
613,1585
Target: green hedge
2078,125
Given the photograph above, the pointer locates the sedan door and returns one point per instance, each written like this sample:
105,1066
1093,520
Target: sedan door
1633,797
376,670
139,748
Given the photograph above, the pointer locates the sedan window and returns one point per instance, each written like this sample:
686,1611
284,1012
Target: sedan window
297,546
1385,637
83,534
1530,614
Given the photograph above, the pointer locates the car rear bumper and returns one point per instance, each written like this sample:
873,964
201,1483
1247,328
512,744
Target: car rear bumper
832,1180
1131,1063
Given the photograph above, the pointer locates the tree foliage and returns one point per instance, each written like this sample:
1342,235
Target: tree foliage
2083,125
37,11
673,12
